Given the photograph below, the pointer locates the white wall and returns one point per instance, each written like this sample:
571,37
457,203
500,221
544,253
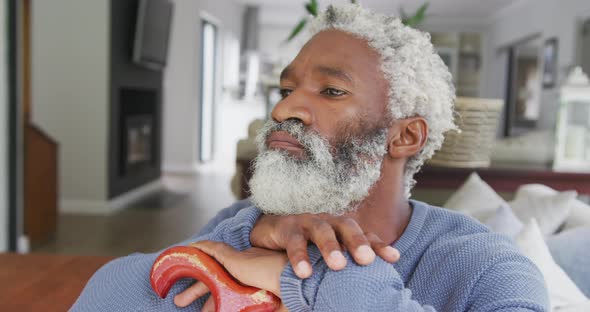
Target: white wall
3,129
182,76
273,45
70,44
276,24
547,18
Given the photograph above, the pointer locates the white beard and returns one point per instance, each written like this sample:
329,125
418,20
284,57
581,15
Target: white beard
321,183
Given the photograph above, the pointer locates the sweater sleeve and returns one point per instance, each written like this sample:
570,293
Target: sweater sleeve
124,284
379,287
523,287
376,287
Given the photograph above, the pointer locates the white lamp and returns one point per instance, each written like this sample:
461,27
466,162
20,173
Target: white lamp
572,148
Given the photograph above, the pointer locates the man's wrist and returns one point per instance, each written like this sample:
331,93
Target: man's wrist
277,277
254,234
262,233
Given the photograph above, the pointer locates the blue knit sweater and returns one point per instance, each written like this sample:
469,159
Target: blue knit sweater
449,263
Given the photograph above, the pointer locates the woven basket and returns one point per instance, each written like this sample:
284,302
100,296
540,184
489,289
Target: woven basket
478,120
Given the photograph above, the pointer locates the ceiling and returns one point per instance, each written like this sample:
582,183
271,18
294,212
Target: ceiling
476,10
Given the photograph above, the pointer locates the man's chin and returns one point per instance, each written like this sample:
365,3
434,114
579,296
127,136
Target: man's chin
282,185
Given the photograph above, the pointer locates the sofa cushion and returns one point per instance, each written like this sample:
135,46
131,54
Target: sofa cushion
563,292
570,250
475,198
550,209
504,222
579,215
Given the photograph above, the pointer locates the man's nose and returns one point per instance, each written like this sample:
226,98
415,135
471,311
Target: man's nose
294,106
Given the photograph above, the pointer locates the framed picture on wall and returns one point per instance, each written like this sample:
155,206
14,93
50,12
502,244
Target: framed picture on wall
550,63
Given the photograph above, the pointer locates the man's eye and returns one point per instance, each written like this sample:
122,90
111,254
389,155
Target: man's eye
285,92
333,92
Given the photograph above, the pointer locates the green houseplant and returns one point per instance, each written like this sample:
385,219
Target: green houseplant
312,9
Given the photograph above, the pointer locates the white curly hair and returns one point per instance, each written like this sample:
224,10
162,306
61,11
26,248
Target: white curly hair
420,84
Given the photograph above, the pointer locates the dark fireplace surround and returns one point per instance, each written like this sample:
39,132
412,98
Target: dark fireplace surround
135,115
137,132
135,141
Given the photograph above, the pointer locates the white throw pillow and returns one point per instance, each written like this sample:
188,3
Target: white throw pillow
504,222
582,307
550,210
475,198
579,216
563,293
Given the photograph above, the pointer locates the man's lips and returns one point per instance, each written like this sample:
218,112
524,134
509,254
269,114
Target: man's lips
283,140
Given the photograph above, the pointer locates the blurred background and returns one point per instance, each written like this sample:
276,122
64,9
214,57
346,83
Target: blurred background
128,124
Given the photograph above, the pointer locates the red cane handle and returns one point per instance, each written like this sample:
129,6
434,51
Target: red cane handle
229,295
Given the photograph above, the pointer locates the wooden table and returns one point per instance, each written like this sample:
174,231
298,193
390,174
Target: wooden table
36,282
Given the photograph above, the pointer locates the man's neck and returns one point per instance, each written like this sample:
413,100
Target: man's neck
386,211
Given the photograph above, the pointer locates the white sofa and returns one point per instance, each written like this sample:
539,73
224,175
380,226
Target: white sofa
552,228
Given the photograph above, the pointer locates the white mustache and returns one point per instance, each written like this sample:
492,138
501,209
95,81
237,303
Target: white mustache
316,146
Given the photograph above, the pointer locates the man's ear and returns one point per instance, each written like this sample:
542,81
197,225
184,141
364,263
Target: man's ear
407,137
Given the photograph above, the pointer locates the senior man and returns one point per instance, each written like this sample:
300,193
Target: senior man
365,102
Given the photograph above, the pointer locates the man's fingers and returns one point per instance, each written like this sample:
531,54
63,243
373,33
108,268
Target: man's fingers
355,241
323,235
209,305
382,249
190,294
218,250
297,254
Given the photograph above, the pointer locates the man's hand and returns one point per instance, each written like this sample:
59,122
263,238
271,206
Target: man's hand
255,267
292,233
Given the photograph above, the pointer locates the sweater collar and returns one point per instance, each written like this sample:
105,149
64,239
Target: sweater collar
419,213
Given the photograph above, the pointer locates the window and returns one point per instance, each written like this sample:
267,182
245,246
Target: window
209,34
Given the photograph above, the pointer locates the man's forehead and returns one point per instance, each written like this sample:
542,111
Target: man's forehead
334,53
338,71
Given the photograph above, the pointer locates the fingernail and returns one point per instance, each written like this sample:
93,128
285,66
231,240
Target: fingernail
392,252
179,301
365,253
338,258
303,268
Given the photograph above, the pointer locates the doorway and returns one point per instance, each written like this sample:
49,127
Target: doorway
209,39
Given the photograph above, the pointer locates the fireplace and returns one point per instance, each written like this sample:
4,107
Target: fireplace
138,132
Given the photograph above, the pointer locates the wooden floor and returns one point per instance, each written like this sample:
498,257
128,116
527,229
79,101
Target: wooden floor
150,224
38,282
